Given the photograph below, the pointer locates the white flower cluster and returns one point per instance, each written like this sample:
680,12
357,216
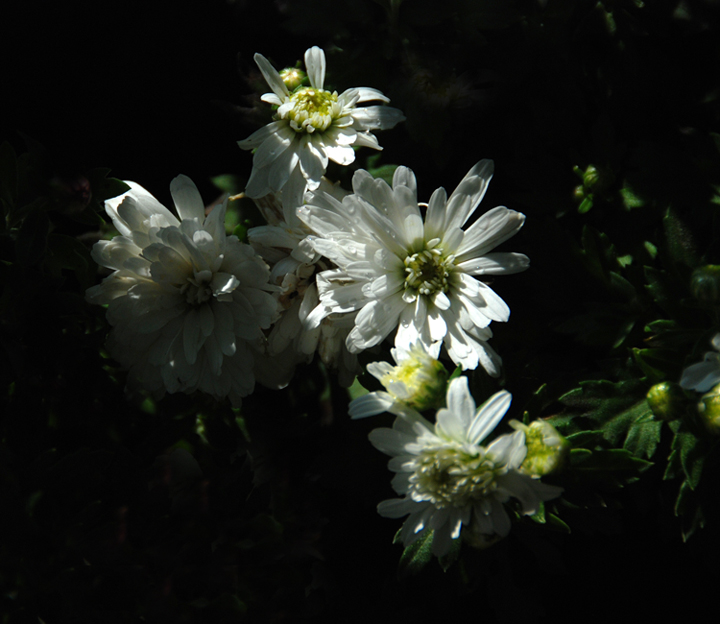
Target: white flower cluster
334,272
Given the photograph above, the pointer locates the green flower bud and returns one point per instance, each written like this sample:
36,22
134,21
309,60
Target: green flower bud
666,400
547,450
705,283
293,77
419,380
709,410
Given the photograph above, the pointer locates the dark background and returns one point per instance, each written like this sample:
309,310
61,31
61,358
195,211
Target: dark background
151,90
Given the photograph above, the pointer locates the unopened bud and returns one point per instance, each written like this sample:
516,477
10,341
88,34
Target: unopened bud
709,410
666,400
293,77
547,450
705,283
419,380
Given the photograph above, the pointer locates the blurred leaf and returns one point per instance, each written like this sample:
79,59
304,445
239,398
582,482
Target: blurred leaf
229,183
382,172
556,523
630,198
680,241
607,460
687,507
657,364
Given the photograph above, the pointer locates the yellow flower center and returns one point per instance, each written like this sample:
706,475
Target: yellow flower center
428,271
450,477
312,109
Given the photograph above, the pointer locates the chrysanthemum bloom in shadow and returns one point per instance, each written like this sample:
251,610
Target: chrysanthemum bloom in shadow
311,126
448,481
186,301
706,374
398,270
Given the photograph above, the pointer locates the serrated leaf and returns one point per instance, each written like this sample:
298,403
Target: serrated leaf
691,453
616,407
417,555
644,435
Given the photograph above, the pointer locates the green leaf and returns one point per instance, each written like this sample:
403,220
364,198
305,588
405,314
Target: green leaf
585,439
691,453
662,290
558,524
608,460
621,411
383,172
644,435
680,240
229,183
451,557
630,198
657,364
687,507
417,555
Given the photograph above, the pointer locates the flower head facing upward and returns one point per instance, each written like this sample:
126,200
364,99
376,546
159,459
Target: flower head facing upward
418,381
419,275
185,300
312,125
448,480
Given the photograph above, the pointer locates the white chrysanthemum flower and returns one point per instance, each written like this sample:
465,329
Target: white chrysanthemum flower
418,381
420,276
706,374
285,244
311,126
448,480
186,301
